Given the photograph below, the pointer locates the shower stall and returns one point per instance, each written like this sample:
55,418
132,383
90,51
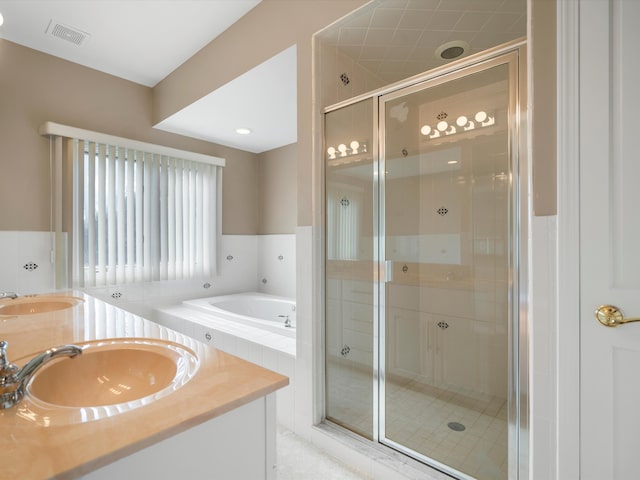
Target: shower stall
424,348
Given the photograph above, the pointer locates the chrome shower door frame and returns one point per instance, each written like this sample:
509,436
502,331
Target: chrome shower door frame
513,55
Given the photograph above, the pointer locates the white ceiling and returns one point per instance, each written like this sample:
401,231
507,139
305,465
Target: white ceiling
145,40
262,100
141,40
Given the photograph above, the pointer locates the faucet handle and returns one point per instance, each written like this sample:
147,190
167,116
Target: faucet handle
6,368
3,352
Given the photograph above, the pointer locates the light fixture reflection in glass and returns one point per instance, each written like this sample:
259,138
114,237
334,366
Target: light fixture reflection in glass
355,148
452,162
462,123
481,116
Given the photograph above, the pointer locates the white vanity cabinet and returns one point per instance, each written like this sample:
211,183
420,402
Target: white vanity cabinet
240,444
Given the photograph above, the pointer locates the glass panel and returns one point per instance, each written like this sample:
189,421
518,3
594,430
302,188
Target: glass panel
446,225
349,267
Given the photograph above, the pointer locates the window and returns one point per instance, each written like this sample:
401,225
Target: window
140,216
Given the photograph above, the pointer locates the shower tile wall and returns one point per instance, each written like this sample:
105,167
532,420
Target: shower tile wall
25,262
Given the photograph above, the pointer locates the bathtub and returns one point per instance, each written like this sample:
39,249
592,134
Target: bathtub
247,325
268,312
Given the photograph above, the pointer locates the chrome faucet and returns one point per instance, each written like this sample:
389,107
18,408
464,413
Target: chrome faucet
287,320
12,295
13,380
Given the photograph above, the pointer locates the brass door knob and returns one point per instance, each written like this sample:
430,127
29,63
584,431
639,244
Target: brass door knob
611,316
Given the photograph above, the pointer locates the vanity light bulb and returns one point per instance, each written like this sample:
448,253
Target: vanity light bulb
462,121
332,152
481,116
425,130
354,146
442,126
342,148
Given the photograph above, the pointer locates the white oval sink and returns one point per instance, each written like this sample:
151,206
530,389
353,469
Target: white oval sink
34,304
120,373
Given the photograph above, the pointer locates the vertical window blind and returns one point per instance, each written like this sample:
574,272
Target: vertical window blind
140,216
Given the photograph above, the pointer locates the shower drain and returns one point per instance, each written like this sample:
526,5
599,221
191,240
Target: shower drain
458,427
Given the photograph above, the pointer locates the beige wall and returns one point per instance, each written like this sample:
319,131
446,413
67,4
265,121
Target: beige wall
36,87
277,191
266,30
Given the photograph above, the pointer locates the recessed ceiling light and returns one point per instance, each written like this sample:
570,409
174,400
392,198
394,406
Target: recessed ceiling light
1,19
451,50
243,131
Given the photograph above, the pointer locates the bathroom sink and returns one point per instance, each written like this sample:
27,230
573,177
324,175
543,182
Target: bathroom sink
32,304
114,372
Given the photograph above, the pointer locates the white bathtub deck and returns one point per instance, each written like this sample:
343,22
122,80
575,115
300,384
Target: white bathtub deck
194,323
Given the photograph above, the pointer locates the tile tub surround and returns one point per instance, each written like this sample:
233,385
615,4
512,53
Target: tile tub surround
267,349
27,450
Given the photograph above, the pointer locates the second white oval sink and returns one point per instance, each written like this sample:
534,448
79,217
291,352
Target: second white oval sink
33,304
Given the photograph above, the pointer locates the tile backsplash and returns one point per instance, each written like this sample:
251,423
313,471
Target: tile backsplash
246,262
26,262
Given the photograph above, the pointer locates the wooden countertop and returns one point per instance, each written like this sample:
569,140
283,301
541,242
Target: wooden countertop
42,447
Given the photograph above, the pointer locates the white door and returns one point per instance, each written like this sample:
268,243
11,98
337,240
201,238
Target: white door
610,237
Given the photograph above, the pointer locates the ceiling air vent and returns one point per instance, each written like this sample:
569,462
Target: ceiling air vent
65,32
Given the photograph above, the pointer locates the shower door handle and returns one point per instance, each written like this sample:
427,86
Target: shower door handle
611,316
388,271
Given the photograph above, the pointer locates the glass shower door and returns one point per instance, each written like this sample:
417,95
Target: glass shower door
349,269
445,232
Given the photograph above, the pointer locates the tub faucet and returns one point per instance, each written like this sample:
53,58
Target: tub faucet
287,320
12,295
13,380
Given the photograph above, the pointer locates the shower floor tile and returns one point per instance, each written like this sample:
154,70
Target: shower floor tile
418,417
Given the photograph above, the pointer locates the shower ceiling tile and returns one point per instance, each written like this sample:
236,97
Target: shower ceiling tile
415,19
397,54
474,6
352,36
444,20
423,4
371,65
352,51
377,52
503,22
432,39
518,6
472,21
405,38
386,18
379,36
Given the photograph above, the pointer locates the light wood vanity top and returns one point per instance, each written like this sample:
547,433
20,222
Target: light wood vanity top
34,445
